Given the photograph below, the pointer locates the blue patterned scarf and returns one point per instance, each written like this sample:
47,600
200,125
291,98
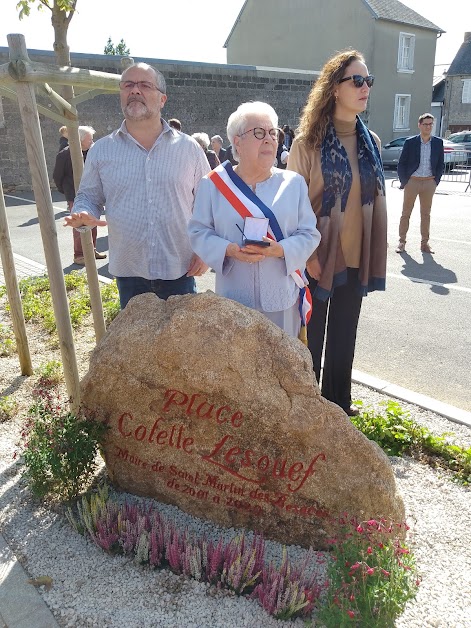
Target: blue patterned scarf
337,172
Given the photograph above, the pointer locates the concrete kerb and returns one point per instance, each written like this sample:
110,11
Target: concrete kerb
457,415
21,606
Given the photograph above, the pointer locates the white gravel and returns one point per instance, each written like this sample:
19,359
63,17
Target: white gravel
91,588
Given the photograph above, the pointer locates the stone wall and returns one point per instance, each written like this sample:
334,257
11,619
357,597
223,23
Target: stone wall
201,95
457,115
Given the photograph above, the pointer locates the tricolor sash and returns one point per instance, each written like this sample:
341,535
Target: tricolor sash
247,204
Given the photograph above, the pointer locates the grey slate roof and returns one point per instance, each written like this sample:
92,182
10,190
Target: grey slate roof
395,11
461,64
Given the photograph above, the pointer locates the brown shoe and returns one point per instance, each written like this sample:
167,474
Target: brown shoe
401,247
100,255
426,248
80,260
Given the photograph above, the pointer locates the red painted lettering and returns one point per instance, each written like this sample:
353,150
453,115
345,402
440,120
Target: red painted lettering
294,471
247,460
310,471
263,463
154,427
187,443
140,432
236,419
281,473
161,437
192,400
207,414
229,457
174,397
121,422
219,412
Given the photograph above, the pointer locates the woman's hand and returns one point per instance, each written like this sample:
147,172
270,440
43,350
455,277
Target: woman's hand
314,269
244,254
82,219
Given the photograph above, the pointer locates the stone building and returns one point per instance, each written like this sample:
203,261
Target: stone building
398,45
457,103
201,95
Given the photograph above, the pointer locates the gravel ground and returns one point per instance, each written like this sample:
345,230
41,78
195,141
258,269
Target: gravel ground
91,588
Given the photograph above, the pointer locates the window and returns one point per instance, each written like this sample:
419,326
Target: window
466,95
401,112
405,53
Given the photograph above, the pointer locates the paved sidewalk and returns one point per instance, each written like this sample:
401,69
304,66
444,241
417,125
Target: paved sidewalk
21,606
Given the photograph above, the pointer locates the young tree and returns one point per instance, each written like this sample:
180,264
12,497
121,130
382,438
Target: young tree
119,49
62,11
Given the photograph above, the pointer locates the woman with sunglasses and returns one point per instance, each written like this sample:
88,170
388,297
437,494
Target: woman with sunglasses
340,160
253,223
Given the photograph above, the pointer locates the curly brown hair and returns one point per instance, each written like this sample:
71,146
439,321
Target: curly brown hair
321,100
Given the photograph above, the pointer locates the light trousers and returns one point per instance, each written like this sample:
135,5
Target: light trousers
424,189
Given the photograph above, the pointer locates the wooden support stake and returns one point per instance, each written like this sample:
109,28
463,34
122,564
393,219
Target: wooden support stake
42,195
13,292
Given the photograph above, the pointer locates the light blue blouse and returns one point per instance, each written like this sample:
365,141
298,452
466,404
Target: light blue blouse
267,284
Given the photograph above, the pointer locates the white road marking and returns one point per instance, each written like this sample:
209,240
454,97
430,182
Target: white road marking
28,200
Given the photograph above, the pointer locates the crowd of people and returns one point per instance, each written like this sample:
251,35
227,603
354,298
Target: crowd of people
294,226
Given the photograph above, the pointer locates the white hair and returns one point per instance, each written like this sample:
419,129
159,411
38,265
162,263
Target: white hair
238,120
83,131
218,138
202,139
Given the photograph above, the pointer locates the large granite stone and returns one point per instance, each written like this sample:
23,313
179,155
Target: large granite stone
213,408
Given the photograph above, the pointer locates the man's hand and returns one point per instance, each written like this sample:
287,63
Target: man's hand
82,219
197,267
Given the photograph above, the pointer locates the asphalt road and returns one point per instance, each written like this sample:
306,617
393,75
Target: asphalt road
415,335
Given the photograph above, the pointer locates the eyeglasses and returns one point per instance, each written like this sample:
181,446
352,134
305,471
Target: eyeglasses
261,133
142,86
358,80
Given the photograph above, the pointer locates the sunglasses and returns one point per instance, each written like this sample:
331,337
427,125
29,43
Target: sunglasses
358,80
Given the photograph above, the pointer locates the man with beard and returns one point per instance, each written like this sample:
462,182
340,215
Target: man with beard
146,174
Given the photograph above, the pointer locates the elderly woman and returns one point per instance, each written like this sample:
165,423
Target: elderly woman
340,160
253,224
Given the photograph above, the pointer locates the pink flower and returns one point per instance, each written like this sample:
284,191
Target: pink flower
372,522
369,550
355,566
359,529
351,614
385,573
370,571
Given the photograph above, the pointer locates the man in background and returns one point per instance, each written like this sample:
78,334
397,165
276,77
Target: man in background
420,169
64,179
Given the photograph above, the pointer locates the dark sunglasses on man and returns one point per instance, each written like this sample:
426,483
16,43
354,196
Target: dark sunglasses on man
358,80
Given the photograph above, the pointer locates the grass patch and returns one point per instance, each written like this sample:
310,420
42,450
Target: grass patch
7,341
37,300
8,408
397,434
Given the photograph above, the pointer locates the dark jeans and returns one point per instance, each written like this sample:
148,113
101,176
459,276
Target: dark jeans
129,287
336,321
